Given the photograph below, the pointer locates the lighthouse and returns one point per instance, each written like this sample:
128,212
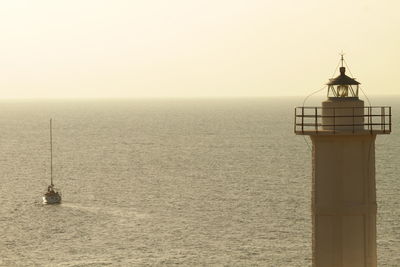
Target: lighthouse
343,132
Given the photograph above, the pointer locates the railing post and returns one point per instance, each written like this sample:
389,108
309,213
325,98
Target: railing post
383,126
316,120
370,119
353,120
390,119
295,120
334,121
302,119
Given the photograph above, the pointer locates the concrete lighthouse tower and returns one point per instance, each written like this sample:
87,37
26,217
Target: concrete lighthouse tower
343,132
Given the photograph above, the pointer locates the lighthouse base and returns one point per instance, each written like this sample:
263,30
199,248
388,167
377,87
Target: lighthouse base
344,201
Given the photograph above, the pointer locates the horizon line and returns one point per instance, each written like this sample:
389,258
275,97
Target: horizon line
166,97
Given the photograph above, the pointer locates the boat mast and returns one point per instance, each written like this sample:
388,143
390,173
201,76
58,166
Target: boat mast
51,155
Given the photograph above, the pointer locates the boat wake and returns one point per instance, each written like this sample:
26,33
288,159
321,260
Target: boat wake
116,212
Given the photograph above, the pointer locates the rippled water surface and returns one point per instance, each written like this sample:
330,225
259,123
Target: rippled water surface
169,182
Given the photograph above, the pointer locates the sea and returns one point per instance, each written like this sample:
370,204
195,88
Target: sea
170,182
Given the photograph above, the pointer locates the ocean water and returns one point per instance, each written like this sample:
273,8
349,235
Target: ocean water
206,182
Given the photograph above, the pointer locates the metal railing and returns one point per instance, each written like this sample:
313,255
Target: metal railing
343,120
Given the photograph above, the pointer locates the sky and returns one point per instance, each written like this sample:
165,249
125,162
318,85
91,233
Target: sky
188,48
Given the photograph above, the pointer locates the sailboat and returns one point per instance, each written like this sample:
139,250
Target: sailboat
52,196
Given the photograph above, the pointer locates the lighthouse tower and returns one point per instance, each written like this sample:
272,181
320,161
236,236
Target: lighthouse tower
343,132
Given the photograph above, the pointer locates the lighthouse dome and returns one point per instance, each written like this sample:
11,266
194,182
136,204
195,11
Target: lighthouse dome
342,79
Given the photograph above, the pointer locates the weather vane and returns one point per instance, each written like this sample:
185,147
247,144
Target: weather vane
341,57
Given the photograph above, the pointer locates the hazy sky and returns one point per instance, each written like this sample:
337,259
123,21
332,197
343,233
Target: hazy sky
141,48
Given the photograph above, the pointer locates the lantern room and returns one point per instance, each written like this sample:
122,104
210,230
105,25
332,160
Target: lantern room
343,85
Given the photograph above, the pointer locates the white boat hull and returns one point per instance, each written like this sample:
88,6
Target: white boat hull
54,199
